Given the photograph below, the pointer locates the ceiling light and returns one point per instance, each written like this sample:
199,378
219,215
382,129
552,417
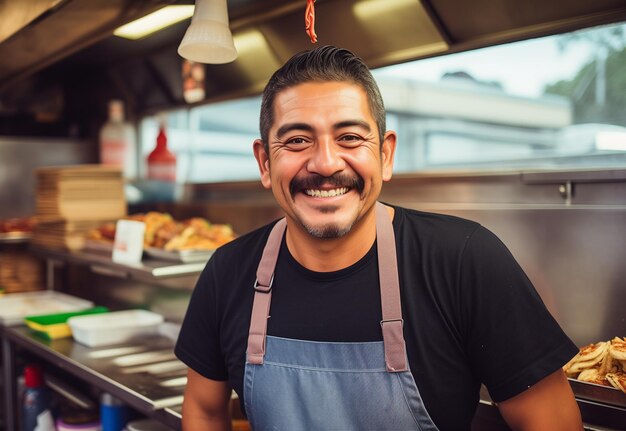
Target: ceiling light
155,21
208,39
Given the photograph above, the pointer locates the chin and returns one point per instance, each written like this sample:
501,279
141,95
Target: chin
328,231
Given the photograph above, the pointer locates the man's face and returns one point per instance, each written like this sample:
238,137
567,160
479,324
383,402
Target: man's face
325,166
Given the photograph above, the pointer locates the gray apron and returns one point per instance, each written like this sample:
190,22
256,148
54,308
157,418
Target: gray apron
309,385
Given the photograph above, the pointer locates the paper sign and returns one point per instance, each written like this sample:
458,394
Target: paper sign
128,246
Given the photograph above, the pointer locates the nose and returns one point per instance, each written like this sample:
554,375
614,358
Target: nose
326,158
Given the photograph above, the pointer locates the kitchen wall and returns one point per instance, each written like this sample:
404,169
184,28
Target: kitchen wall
19,157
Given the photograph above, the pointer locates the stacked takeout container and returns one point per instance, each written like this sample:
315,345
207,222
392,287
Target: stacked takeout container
72,200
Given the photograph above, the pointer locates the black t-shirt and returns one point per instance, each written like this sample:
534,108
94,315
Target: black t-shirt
470,313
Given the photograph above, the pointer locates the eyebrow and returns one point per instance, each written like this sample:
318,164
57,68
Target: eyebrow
308,128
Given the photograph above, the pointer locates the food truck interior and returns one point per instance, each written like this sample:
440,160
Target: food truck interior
509,113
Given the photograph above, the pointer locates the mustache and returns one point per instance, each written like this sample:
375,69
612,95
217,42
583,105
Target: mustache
316,181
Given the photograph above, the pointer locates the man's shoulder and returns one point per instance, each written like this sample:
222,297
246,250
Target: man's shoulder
437,225
248,244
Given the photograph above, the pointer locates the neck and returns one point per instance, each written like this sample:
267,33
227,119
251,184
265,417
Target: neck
325,255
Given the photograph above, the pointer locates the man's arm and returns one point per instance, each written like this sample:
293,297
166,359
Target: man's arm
547,405
206,404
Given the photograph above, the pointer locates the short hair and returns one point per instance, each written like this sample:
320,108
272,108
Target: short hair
323,64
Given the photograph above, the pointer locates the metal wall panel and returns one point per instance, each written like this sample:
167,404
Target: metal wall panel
19,157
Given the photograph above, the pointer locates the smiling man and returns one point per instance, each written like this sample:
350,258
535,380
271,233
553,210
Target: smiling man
381,317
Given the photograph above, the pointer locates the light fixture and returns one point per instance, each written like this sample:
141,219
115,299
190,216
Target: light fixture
208,39
155,21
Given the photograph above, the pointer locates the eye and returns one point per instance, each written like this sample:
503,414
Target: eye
298,140
350,139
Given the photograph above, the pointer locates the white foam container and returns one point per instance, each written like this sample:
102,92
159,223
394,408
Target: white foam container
15,306
113,328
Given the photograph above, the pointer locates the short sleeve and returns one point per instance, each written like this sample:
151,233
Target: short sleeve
198,343
513,341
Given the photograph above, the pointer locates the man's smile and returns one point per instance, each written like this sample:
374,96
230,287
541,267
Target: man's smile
318,186
316,193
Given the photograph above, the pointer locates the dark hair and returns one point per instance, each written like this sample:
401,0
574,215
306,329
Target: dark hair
323,64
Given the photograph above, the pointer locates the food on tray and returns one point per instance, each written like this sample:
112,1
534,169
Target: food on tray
199,234
25,224
162,231
602,363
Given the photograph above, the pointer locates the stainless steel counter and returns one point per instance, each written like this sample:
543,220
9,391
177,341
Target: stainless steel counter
143,374
148,270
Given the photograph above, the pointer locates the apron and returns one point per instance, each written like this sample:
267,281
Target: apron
309,385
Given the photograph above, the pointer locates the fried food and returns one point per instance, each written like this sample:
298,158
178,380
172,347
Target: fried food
588,357
162,231
592,375
201,235
601,363
618,348
618,380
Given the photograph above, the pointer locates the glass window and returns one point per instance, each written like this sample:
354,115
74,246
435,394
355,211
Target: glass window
556,101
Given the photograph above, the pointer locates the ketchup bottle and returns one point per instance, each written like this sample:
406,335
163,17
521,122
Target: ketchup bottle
161,161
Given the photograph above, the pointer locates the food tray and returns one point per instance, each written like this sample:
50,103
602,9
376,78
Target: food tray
114,327
15,237
14,307
186,256
598,393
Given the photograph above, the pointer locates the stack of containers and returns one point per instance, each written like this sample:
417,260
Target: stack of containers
72,200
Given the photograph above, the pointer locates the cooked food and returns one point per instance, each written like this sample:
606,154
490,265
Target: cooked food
106,233
618,380
25,224
201,236
600,363
588,357
592,376
618,348
162,231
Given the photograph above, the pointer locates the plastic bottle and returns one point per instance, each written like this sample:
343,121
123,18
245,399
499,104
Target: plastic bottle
113,413
36,402
117,141
161,161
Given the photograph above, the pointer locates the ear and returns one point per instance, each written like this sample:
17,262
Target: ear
263,160
388,152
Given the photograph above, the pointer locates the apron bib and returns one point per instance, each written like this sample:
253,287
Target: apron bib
309,385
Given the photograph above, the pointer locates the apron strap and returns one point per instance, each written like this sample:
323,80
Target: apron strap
263,294
392,323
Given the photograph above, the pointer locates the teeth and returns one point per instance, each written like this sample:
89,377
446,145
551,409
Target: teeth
327,193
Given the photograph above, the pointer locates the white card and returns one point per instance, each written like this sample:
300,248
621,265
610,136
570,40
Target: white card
128,246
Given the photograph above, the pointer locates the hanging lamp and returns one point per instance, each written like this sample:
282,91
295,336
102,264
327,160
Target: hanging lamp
208,38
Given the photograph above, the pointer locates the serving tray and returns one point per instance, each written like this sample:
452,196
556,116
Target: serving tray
598,393
186,256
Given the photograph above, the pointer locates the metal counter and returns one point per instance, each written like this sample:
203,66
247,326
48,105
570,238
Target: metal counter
148,270
143,374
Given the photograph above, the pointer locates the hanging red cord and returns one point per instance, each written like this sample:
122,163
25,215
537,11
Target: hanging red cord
309,20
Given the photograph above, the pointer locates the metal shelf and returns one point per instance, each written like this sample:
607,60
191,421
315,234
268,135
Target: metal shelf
15,237
148,269
139,382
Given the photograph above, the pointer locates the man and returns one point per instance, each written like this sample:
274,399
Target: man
354,288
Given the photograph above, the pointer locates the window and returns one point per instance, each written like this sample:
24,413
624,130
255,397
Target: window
557,101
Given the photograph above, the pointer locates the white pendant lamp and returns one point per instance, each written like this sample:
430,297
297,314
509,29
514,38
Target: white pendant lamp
208,39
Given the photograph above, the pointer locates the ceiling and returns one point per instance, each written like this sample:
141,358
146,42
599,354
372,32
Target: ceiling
58,57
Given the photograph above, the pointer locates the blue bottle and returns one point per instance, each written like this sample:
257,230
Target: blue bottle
36,400
113,413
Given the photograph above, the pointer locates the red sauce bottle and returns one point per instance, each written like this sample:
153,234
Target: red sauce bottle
161,161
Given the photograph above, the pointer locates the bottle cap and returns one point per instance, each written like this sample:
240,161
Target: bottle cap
116,110
109,400
33,378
